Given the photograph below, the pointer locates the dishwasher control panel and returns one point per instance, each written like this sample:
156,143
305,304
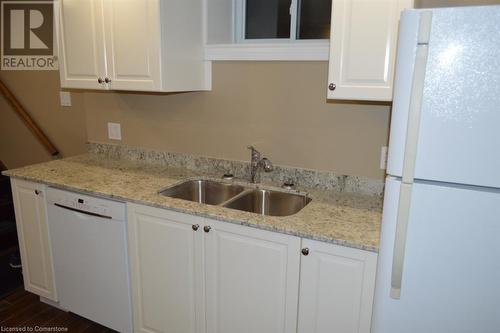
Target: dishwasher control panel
86,203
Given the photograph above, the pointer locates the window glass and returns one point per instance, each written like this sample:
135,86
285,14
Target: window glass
314,19
267,19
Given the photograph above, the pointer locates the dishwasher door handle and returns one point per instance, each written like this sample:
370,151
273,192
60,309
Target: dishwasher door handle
82,211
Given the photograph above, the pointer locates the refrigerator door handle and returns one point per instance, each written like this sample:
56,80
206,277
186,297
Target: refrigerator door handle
400,240
410,156
415,107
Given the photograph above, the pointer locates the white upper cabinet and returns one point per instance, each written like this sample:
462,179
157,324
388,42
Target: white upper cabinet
133,51
143,45
81,44
363,44
33,234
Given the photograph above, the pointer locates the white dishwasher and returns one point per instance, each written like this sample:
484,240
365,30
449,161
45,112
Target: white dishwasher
89,246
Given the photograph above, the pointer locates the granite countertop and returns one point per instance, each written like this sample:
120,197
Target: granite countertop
347,219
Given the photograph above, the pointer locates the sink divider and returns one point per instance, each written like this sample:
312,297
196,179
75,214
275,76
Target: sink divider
236,197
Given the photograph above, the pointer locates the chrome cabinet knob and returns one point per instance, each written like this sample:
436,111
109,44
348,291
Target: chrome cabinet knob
100,80
195,227
305,251
107,80
332,86
207,228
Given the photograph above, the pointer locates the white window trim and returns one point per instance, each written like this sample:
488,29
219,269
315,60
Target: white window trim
317,51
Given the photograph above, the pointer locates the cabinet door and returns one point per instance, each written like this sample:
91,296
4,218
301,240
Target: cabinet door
251,280
166,265
363,48
34,244
336,289
133,44
81,44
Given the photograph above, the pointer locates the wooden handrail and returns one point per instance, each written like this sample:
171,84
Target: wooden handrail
28,121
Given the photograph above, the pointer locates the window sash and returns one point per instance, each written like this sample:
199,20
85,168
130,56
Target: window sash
240,23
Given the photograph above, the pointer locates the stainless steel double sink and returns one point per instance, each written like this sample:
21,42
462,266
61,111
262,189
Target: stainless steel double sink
240,197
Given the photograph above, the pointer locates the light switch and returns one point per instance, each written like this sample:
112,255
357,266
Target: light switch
114,131
65,97
383,158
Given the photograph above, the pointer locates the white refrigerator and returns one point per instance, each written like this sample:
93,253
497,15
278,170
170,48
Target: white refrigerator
439,259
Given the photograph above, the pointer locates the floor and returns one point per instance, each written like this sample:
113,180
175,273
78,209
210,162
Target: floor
23,310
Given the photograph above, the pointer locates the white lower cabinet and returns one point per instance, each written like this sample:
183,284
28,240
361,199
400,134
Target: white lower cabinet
191,274
336,289
34,241
195,275
252,279
166,255
188,271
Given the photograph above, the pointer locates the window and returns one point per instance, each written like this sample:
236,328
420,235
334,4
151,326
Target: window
283,20
268,30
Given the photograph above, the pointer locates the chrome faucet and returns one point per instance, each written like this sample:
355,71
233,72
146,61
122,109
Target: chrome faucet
256,164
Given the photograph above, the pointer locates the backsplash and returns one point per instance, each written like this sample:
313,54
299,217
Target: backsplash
323,180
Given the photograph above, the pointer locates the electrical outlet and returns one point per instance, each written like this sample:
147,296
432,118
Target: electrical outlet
65,97
383,158
114,131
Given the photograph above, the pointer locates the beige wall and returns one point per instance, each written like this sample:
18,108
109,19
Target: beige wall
38,91
280,107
